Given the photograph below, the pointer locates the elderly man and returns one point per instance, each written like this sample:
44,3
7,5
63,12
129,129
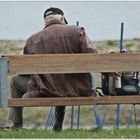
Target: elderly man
57,37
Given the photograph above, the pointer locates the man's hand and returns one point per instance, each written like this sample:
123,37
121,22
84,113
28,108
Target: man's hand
115,75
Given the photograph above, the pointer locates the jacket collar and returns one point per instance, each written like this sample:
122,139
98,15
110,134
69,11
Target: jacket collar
51,21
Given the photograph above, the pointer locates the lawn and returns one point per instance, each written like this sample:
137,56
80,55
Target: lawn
93,133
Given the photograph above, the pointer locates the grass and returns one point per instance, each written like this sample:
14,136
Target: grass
36,117
112,43
11,46
129,45
93,133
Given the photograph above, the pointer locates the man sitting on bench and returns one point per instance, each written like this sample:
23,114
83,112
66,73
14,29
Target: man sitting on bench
57,37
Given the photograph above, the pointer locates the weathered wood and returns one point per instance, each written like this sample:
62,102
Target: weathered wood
74,63
34,102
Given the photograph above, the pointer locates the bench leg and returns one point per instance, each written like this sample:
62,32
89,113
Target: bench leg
72,116
98,119
78,117
50,120
118,116
132,110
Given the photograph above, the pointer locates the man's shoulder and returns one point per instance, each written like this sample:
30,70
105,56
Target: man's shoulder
73,28
34,35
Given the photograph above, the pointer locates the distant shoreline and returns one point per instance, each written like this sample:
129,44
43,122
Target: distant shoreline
16,46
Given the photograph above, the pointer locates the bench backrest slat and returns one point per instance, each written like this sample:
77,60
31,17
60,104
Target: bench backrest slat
73,63
33,102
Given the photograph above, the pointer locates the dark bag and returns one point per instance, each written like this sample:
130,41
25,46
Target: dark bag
129,84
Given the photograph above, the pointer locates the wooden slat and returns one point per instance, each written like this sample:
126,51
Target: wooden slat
73,63
34,102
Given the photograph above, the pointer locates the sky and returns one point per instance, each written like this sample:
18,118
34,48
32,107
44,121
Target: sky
101,20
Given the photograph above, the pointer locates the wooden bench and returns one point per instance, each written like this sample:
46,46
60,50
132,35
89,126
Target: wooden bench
67,63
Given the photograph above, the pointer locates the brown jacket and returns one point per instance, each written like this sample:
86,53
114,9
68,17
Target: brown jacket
57,38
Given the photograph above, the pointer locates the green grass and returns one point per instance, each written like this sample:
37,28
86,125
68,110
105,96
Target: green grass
112,43
129,45
93,133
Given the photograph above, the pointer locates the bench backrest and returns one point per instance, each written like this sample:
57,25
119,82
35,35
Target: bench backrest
67,63
73,63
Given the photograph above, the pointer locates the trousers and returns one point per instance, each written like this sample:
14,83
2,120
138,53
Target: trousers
18,87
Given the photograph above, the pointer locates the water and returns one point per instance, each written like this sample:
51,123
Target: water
102,20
